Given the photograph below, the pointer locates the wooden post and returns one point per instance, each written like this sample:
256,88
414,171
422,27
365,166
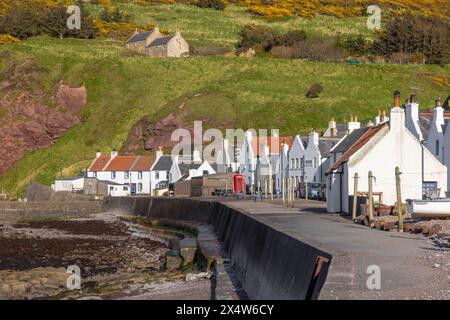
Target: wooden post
293,191
399,205
355,197
265,188
288,196
370,198
270,181
306,189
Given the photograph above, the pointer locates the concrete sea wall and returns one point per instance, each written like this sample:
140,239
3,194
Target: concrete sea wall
12,211
270,264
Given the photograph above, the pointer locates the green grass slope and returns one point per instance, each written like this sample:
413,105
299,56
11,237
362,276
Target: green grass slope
205,26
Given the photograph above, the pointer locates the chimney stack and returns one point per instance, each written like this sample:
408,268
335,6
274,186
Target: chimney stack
113,153
314,137
412,98
98,154
353,124
159,152
397,99
438,103
196,156
383,116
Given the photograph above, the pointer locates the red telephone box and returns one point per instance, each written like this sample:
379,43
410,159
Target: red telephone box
239,183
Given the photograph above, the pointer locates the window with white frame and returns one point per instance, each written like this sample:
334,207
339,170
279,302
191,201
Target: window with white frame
157,175
127,175
113,174
95,174
139,174
139,187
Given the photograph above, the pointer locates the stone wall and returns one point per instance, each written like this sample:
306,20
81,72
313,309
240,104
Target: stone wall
12,211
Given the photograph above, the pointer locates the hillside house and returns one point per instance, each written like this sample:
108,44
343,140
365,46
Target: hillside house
155,44
130,174
362,151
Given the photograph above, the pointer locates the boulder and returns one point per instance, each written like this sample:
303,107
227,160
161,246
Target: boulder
173,260
188,248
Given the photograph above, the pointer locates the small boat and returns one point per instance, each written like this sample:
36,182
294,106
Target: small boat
437,208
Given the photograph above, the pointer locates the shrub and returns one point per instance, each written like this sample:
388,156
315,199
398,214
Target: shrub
289,39
283,52
314,91
209,50
252,36
212,4
355,46
323,49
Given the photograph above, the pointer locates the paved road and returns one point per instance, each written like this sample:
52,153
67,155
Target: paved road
406,270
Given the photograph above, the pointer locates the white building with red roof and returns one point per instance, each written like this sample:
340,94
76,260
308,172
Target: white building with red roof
129,174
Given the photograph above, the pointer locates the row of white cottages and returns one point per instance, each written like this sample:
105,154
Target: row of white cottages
418,142
330,160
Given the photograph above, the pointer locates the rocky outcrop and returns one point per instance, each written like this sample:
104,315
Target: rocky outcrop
152,135
30,118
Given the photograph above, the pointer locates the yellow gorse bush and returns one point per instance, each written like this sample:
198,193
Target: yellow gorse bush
343,8
6,38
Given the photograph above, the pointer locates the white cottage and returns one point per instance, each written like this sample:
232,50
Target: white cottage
131,173
274,149
381,149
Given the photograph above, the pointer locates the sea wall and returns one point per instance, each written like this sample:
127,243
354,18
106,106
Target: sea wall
12,211
270,264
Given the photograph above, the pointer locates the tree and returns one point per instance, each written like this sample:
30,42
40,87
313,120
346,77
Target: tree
412,34
21,21
212,4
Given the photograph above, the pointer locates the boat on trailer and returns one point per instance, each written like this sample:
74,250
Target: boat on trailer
437,208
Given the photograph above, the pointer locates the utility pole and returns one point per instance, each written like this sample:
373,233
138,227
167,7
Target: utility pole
399,205
370,197
355,197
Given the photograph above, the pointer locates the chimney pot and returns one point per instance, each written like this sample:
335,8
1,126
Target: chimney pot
413,98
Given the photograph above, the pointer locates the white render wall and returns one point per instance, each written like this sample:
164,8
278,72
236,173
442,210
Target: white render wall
390,148
68,185
133,178
296,157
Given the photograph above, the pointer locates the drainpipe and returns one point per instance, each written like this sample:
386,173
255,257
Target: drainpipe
422,143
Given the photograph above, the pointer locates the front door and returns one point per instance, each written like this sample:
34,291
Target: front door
133,188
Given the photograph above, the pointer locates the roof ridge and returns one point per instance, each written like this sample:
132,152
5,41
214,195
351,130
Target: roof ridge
357,145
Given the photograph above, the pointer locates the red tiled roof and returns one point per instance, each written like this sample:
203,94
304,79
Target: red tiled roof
365,138
144,163
99,163
121,163
256,143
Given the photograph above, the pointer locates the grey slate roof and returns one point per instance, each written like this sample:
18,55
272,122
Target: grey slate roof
160,41
164,163
349,140
139,37
425,124
325,145
185,167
